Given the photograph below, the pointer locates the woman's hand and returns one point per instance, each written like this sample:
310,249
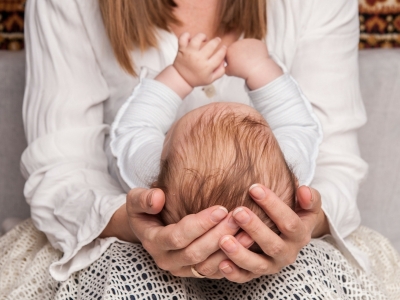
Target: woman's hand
176,247
296,228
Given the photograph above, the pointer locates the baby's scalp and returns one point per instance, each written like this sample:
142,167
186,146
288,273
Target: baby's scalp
214,154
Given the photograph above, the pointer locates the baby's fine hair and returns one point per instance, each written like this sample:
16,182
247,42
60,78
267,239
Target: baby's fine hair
216,161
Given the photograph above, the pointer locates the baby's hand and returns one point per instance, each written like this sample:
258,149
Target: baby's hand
244,56
249,59
199,65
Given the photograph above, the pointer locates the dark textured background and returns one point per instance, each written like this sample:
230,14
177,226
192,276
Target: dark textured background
379,24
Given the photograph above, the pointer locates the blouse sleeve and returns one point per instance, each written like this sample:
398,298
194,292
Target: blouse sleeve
138,132
71,195
295,126
326,67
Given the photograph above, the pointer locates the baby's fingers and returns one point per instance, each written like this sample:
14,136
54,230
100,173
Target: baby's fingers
210,47
218,58
219,72
197,41
184,39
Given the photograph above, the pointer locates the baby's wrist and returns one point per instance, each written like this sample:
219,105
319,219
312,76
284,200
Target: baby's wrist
171,78
266,72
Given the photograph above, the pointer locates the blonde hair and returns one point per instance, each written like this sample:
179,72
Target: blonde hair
133,23
216,161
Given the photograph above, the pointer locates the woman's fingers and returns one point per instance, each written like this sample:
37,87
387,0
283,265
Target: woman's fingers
310,211
234,273
205,245
177,236
258,264
211,266
278,250
142,205
280,213
149,201
174,247
309,199
269,242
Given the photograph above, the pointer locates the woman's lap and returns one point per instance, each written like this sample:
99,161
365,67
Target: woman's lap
320,272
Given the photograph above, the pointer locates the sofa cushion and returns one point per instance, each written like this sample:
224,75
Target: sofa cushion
12,81
379,197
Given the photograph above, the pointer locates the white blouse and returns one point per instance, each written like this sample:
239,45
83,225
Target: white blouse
74,87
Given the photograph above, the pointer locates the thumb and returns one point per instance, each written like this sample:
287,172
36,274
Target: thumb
308,199
148,201
142,205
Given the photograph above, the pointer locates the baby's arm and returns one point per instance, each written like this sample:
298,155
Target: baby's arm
278,98
138,132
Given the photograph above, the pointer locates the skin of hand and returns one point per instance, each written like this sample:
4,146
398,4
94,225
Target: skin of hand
173,247
249,59
238,264
195,64
199,64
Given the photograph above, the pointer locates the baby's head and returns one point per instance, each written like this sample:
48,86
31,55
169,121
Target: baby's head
213,154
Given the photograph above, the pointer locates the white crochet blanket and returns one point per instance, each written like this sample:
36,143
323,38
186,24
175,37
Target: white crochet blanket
126,271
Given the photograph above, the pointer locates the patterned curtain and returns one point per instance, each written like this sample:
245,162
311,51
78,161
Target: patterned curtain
12,24
379,23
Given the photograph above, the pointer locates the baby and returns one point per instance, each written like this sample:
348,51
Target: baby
214,153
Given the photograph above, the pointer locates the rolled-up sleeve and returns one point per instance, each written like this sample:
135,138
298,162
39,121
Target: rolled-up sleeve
326,68
71,194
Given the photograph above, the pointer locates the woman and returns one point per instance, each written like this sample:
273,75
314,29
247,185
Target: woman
75,85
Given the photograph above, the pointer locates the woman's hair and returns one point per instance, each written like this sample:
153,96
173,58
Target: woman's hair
133,23
216,161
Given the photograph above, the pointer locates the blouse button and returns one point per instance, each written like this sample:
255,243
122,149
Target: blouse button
209,90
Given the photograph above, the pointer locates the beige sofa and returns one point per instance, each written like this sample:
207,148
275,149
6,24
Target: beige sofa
379,197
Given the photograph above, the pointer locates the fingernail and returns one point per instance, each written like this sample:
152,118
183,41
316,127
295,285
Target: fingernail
228,244
149,199
218,214
241,215
311,194
245,240
232,223
311,198
256,192
227,269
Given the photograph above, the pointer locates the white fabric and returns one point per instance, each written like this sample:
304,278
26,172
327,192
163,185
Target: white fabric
138,132
75,86
127,271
